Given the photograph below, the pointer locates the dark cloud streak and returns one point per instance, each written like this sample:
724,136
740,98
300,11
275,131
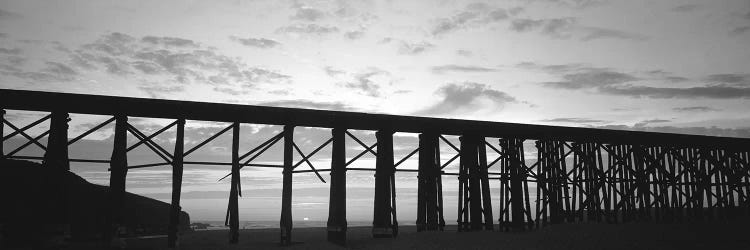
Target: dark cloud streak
460,68
262,43
467,97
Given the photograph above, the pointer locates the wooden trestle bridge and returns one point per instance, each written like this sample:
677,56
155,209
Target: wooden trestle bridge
580,173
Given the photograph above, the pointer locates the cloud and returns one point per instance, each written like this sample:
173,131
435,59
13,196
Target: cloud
52,72
307,104
230,91
406,48
262,43
733,79
154,91
175,59
687,8
551,68
459,68
740,30
578,4
695,109
573,120
3,35
666,76
465,53
473,15
308,14
14,51
333,72
169,41
4,14
554,27
367,81
608,81
568,27
467,96
710,91
308,29
591,78
354,34
60,69
647,122
593,33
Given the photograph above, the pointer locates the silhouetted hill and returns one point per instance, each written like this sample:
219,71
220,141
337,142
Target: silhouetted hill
33,205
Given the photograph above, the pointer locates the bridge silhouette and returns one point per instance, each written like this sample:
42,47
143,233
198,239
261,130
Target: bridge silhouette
580,174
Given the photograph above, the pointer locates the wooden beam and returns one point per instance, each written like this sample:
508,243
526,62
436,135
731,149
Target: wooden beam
177,161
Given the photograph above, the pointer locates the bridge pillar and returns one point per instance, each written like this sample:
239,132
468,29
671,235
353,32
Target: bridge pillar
286,192
485,184
384,218
118,171
174,212
235,189
429,196
474,186
57,145
56,157
513,151
2,131
337,204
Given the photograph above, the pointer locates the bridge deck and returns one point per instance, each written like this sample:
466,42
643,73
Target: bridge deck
155,108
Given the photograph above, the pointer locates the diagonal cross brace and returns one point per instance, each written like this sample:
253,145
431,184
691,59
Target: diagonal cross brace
306,157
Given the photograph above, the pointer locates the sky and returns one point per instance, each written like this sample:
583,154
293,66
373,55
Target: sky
668,65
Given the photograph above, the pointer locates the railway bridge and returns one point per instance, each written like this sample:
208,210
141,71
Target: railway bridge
580,174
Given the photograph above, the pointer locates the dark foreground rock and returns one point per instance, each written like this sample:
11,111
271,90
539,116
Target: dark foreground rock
34,207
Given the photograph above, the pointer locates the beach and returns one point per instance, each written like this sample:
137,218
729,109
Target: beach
689,235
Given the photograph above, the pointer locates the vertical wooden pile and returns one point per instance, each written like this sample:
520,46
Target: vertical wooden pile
337,205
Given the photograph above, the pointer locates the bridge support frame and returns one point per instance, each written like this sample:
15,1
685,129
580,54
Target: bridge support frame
514,196
337,225
57,144
118,173
384,217
177,169
235,189
286,192
475,208
429,193
2,133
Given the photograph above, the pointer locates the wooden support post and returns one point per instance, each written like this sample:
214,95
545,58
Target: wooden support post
517,174
286,193
429,196
439,178
2,133
118,171
174,212
57,144
473,195
337,205
56,158
383,221
485,184
235,189
432,174
462,219
422,183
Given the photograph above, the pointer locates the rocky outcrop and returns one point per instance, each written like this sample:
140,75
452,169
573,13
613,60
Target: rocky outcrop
38,201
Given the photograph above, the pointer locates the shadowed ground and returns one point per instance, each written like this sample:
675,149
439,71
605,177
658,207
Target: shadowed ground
711,235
